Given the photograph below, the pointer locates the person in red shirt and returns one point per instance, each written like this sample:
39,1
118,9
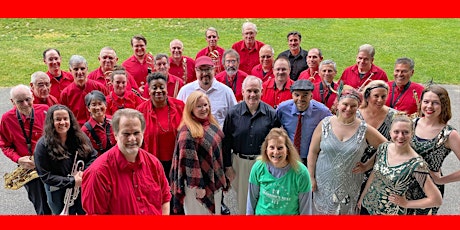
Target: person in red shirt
120,97
232,77
213,51
107,61
325,91
314,57
126,180
73,96
98,127
181,65
404,95
174,83
248,48
20,129
59,78
264,70
162,115
40,84
364,71
277,89
140,62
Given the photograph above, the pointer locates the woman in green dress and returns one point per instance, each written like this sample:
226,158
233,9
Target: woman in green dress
397,168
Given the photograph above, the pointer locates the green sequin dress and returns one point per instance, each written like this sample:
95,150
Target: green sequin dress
395,179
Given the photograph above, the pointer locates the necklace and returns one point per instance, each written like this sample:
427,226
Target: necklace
347,124
169,121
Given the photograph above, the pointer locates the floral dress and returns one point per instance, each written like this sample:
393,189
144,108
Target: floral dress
337,187
433,152
392,180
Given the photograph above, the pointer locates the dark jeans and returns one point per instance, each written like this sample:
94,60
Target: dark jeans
56,202
37,195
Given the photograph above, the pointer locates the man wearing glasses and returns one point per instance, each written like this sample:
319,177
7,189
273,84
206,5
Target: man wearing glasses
213,51
220,95
264,70
40,84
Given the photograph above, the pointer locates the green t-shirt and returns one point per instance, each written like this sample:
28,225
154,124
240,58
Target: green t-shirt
279,196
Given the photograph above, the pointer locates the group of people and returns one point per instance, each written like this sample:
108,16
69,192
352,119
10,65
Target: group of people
172,134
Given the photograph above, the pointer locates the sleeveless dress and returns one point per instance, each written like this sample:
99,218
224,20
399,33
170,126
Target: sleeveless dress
392,180
433,152
384,129
337,187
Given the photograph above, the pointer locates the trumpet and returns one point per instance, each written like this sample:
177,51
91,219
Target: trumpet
71,194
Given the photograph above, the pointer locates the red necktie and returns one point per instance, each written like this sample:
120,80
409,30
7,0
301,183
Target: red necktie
298,133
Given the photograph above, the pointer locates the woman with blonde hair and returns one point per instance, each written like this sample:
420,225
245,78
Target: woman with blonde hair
279,183
197,172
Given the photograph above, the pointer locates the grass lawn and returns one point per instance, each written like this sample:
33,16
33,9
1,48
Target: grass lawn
432,43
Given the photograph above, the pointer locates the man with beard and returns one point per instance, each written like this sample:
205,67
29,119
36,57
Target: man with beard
107,61
221,96
296,55
73,96
300,116
180,65
40,84
245,128
277,90
232,76
173,83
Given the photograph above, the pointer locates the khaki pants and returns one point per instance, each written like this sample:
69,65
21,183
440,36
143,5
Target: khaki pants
194,207
242,169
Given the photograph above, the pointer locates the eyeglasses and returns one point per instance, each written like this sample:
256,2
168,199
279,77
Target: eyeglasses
204,70
211,36
265,57
230,61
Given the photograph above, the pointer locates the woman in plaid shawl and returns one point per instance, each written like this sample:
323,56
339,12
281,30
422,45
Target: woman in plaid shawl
197,174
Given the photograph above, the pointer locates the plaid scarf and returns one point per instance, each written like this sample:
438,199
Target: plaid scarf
197,161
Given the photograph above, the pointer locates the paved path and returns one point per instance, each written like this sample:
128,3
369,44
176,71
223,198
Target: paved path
16,202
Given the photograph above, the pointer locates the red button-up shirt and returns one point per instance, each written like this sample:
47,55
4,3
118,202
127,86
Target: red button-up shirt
100,130
178,70
405,102
129,100
259,72
137,70
307,75
248,57
99,76
58,86
112,185
350,76
235,85
273,96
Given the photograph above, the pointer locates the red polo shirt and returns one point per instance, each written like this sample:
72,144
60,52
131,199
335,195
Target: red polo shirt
129,100
307,75
137,70
169,118
12,140
350,76
273,96
73,97
236,85
50,100
248,57
58,86
259,72
178,70
404,102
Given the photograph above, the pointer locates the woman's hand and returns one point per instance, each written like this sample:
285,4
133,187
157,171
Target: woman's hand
398,200
359,168
200,193
436,177
313,184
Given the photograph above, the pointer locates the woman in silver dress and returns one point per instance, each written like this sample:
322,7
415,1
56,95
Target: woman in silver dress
337,145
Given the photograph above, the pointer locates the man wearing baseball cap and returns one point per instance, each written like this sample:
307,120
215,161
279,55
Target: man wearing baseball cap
220,95
300,115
